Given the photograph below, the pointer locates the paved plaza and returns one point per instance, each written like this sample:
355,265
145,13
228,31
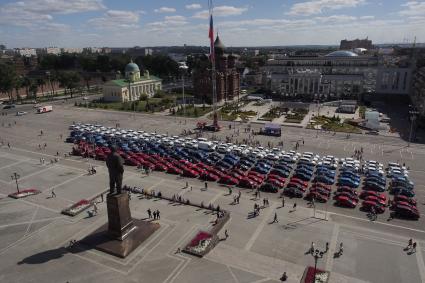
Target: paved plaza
33,233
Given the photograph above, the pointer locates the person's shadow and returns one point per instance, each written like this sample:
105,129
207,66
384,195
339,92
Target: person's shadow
45,256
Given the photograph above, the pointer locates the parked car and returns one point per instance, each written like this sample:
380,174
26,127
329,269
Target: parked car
404,192
293,192
345,202
346,194
174,170
228,180
368,204
403,211
317,196
411,201
268,187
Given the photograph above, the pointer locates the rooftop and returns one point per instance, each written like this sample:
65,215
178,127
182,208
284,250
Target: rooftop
124,82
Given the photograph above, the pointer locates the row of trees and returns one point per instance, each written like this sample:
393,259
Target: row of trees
11,83
159,65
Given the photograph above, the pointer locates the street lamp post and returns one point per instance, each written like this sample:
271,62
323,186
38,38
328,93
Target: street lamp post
15,177
183,68
413,114
316,254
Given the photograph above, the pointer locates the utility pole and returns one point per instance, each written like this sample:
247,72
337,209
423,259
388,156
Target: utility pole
413,113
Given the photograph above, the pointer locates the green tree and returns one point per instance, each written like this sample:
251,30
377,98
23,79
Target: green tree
40,83
7,79
26,83
33,89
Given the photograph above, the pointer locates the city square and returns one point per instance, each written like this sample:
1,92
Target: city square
35,235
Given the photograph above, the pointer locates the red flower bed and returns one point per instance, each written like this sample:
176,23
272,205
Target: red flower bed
77,208
309,275
24,193
199,237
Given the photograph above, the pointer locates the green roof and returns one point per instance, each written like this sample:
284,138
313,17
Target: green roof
124,82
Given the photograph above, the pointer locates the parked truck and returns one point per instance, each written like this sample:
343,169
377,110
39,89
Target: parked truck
45,109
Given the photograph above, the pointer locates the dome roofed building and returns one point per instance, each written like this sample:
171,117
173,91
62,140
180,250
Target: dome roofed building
219,47
132,87
227,76
342,53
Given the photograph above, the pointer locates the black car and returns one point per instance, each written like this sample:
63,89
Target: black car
280,173
404,211
378,180
293,192
270,188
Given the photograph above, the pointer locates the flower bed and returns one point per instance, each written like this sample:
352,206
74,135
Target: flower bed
24,193
77,208
321,276
201,244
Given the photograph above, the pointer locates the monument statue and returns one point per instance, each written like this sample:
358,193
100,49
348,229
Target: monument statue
115,165
122,234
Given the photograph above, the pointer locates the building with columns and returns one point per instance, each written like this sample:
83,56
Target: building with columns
340,74
132,86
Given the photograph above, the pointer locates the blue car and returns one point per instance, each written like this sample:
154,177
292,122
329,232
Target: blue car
324,179
344,181
330,174
376,180
262,170
305,168
303,176
351,177
403,192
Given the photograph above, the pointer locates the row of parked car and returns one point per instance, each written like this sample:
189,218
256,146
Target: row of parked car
291,172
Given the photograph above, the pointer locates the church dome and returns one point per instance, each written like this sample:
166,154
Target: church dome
219,46
132,67
342,53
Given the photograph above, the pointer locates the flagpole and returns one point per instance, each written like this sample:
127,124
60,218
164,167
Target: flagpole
212,56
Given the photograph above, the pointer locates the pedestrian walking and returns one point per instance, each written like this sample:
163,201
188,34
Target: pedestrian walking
95,210
275,220
226,234
154,215
312,247
283,201
206,186
413,248
53,194
294,207
341,249
8,145
149,213
187,185
101,197
409,244
158,216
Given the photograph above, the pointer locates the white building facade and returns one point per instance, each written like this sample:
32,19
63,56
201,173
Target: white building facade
340,74
132,87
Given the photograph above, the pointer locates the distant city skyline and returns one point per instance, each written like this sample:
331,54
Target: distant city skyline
125,23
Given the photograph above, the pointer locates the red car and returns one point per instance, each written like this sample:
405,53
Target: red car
316,196
345,202
365,194
239,171
276,183
190,173
276,177
255,179
208,176
411,201
259,175
216,172
347,190
296,185
368,204
376,199
299,181
321,185
174,170
131,162
160,167
346,194
100,156
228,180
247,183
321,191
406,212
235,175
147,164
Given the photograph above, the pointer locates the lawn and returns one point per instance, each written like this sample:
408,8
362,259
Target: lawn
230,112
333,124
296,116
149,105
193,111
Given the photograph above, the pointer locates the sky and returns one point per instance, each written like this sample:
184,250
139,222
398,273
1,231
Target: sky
126,23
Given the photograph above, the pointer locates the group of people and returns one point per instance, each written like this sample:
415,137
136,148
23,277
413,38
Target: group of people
411,247
154,215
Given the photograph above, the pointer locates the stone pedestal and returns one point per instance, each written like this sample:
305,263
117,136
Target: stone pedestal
122,234
120,223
